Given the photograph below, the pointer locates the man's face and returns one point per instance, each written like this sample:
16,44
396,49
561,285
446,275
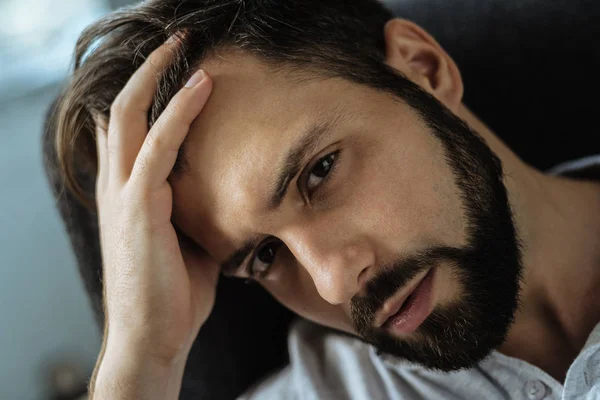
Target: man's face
376,203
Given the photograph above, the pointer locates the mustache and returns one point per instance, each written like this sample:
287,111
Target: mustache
394,276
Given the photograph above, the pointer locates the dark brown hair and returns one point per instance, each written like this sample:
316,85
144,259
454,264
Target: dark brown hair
327,37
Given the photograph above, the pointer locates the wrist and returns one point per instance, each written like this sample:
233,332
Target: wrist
146,345
126,371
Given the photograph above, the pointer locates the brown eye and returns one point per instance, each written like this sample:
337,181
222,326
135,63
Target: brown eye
264,259
320,171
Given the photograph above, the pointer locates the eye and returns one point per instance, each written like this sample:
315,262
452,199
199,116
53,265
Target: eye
263,259
320,171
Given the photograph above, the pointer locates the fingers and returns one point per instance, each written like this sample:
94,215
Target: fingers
129,111
161,146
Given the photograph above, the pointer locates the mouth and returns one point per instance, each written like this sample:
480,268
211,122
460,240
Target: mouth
409,307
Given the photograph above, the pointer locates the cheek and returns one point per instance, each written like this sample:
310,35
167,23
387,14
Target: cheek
409,199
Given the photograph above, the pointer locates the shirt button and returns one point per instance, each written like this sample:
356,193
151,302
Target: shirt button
535,390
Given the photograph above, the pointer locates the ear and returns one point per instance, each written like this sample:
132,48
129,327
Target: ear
415,53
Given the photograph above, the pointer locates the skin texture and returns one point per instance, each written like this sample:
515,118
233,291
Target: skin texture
391,194
157,293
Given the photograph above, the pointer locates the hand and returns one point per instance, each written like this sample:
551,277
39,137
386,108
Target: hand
156,296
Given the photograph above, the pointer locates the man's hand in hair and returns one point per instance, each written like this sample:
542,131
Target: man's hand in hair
158,290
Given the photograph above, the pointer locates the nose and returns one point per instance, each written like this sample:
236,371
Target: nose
337,258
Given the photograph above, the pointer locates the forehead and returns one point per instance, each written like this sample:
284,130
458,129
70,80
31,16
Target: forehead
234,146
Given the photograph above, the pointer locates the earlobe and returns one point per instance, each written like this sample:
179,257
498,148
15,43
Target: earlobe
415,53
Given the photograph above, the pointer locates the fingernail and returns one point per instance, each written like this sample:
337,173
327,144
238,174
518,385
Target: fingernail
195,79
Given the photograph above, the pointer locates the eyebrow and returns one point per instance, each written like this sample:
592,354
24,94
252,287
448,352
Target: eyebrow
301,149
234,263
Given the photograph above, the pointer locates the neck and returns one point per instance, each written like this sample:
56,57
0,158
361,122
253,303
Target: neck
558,222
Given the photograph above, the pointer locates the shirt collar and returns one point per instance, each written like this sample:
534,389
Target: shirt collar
585,167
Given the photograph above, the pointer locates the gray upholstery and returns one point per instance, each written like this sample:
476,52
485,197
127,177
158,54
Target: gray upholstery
529,68
530,72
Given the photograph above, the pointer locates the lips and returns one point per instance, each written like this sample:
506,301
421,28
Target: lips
393,305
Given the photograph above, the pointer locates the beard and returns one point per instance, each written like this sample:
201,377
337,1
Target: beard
488,268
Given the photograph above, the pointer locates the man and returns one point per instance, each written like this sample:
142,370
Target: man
335,164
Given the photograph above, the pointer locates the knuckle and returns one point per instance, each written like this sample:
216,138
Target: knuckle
181,111
174,110
136,196
123,107
118,107
142,165
154,139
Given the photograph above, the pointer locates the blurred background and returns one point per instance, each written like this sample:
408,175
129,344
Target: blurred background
48,337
